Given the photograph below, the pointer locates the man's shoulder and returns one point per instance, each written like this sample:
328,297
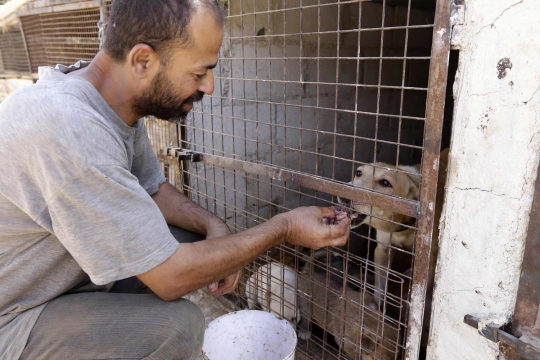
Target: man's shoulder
41,117
41,97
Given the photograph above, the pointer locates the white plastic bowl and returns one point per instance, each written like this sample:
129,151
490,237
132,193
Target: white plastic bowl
249,335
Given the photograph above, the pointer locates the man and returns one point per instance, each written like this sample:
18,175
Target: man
83,204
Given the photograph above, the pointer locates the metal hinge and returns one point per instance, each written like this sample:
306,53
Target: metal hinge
183,154
526,346
457,19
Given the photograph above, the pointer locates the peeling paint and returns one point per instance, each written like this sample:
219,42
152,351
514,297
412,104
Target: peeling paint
416,310
503,66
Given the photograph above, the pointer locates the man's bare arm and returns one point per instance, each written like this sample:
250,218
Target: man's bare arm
181,212
195,265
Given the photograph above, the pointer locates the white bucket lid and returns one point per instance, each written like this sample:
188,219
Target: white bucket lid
248,335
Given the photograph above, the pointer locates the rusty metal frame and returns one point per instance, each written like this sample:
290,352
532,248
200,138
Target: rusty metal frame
438,77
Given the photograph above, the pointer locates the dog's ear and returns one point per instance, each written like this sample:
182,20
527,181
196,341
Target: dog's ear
414,192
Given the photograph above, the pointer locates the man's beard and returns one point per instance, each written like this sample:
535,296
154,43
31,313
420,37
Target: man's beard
161,102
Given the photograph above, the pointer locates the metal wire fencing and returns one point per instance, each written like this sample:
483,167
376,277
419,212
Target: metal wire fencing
13,53
326,103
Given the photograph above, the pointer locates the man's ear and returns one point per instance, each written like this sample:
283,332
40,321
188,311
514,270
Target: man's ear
143,61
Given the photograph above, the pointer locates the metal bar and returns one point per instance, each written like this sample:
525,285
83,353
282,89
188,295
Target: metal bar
526,346
303,82
317,107
399,205
340,58
438,76
25,44
528,297
335,31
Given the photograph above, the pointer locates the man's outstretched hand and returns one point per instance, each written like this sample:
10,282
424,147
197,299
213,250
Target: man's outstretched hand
317,227
312,227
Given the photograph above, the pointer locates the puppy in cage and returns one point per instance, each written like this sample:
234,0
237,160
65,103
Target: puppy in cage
345,310
273,287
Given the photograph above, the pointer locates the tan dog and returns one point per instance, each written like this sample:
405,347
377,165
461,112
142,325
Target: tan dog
394,229
366,335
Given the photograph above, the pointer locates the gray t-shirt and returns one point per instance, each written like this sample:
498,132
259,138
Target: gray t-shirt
75,206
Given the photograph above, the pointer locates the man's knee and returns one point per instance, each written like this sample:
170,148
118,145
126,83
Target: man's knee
189,315
183,334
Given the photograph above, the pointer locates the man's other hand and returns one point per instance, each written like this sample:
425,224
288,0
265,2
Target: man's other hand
317,227
228,284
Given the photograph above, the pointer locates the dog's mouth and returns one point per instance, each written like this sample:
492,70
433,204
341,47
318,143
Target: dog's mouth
345,206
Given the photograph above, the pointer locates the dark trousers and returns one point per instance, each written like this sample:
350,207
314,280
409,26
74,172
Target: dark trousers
128,322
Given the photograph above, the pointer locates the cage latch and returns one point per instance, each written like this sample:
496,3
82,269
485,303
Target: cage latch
525,346
184,154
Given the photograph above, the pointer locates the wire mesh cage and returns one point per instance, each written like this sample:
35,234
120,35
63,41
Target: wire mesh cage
61,37
14,56
325,103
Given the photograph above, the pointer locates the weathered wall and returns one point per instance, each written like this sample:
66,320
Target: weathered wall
492,171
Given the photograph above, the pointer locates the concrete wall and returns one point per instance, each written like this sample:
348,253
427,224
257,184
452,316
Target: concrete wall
493,166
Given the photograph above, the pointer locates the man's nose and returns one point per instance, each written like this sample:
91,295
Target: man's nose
207,84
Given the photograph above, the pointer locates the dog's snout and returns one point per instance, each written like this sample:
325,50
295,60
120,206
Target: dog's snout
358,220
344,202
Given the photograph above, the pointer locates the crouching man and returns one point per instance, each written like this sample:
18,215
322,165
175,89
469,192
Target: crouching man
96,249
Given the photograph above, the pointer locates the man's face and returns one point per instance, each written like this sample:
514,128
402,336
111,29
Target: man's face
187,76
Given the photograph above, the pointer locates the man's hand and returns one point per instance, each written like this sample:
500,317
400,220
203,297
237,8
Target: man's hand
230,283
316,227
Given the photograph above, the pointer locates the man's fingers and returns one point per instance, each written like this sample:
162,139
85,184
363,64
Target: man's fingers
341,215
327,212
213,287
340,241
339,233
226,285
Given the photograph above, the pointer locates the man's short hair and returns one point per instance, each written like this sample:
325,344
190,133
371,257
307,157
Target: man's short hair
161,24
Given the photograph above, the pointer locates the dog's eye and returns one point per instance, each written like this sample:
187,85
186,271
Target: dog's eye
385,183
358,173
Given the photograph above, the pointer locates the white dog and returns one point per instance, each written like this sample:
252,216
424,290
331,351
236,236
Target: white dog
273,286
